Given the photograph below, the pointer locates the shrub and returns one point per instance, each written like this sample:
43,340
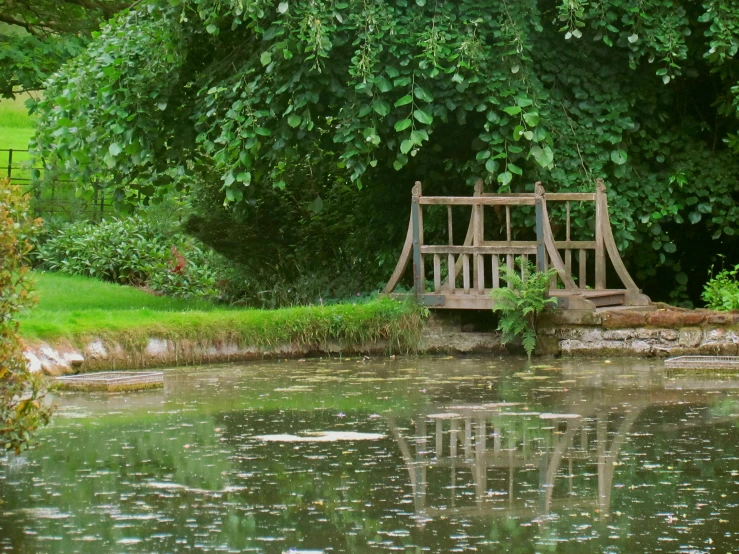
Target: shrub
22,406
722,291
521,301
131,251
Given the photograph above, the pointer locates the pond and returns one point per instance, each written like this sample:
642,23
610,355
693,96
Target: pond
408,455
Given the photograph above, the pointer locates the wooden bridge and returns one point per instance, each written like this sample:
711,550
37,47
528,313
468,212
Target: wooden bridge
479,260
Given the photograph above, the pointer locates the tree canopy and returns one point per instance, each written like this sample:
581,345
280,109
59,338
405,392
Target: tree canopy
37,36
259,101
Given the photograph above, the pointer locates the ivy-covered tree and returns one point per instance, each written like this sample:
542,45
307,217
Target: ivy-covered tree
260,102
37,36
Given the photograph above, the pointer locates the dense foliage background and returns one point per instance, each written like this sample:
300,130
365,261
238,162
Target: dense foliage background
299,126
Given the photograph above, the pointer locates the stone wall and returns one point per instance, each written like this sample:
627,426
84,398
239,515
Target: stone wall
663,331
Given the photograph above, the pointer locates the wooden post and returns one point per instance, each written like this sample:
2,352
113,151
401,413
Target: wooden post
477,259
418,274
10,163
541,256
600,254
568,252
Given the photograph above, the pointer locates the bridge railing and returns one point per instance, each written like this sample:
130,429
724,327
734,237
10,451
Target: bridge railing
479,261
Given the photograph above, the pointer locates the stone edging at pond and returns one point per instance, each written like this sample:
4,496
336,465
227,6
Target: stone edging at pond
61,357
663,332
657,333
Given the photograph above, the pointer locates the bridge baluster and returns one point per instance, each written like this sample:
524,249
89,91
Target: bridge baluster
466,273
437,274
496,271
480,265
452,274
582,257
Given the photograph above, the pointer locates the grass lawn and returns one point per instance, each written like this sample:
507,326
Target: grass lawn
58,292
16,131
78,308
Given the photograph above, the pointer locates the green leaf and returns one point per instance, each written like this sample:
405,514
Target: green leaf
491,165
282,7
294,120
402,125
381,107
512,110
618,157
406,146
115,149
424,117
505,178
265,58
422,94
694,217
531,119
405,100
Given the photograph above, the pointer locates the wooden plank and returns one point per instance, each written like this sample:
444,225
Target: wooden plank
450,227
583,259
496,271
509,263
405,257
634,297
476,201
513,250
460,302
480,265
466,273
551,249
571,196
560,244
508,194
567,226
452,278
437,274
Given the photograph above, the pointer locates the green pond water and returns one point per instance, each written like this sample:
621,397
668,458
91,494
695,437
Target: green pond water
406,455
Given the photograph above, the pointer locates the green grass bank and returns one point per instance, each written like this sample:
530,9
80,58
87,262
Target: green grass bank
127,325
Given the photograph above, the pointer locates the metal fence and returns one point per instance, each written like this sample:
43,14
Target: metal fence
51,197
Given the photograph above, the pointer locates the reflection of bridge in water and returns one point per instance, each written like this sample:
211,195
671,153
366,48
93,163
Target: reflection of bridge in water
526,464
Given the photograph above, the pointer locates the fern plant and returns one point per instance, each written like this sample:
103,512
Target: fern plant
519,304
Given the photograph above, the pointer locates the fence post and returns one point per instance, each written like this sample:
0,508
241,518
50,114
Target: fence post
10,163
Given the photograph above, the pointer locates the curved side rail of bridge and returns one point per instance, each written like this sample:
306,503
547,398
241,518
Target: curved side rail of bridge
479,261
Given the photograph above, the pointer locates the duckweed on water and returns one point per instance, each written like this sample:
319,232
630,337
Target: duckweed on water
272,458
